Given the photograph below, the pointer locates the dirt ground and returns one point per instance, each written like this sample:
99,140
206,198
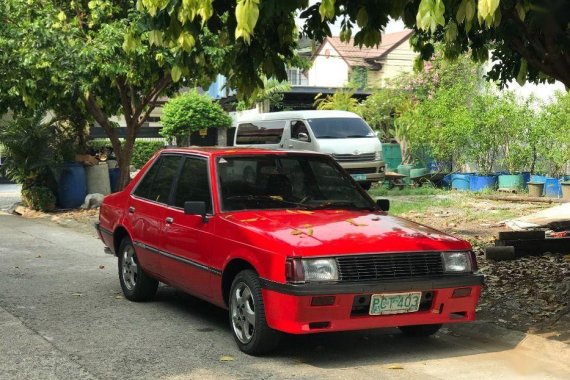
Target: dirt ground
530,294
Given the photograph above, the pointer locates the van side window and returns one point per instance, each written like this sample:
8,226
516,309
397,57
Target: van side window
298,127
263,132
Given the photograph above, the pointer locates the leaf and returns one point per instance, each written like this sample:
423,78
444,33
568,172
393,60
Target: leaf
451,32
249,220
129,44
326,9
521,11
362,17
61,16
155,37
296,232
460,16
226,358
395,366
186,41
521,75
176,73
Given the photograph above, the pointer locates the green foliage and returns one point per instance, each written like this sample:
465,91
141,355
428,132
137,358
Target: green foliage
341,100
29,146
554,135
144,150
39,198
191,112
383,107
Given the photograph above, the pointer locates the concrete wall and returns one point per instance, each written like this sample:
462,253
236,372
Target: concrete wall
328,70
398,61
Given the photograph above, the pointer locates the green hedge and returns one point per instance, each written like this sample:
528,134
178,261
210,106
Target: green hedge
39,198
142,152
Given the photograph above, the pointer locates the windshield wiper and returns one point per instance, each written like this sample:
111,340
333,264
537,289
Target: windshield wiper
340,204
268,198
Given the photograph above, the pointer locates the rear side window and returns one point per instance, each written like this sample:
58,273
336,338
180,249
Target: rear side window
157,183
193,184
263,132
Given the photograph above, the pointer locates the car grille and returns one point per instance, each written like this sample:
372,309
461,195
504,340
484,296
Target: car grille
389,266
361,171
354,157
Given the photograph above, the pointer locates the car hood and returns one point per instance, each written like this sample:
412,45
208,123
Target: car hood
326,232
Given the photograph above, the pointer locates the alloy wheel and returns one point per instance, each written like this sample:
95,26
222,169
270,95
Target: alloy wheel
242,309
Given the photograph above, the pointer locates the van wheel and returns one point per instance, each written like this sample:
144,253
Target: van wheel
365,185
420,330
137,285
247,316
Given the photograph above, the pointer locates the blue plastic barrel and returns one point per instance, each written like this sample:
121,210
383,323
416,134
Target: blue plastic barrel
526,178
461,181
482,182
114,175
72,187
552,188
536,178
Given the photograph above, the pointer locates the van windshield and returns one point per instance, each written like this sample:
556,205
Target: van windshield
340,128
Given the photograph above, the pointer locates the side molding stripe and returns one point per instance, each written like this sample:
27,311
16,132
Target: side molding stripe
178,258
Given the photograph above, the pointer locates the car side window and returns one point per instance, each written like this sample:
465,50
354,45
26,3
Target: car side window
157,184
298,127
193,184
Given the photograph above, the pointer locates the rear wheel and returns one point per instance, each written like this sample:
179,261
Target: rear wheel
247,316
136,285
420,330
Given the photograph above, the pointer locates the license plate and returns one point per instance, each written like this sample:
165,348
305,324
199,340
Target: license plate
395,303
359,177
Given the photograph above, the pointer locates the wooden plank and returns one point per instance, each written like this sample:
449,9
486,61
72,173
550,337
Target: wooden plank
521,235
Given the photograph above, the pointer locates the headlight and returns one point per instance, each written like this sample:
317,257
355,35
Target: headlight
457,261
320,269
311,270
378,156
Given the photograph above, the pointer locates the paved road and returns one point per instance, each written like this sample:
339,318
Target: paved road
62,317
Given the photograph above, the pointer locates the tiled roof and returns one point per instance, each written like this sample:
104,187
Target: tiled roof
356,56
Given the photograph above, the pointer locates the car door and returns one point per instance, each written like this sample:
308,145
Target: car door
188,239
147,208
297,140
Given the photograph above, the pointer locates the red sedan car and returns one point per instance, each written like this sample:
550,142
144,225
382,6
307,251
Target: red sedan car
286,241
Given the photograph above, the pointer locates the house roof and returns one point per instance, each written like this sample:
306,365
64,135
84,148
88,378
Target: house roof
356,56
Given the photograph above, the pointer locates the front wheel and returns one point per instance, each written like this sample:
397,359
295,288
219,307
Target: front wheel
247,316
136,285
420,330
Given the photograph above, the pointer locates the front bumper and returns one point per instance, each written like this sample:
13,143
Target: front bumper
288,308
373,170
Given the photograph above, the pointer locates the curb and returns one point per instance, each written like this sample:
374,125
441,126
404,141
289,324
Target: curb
487,331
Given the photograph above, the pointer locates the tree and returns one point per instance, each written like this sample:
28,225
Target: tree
106,57
191,112
342,99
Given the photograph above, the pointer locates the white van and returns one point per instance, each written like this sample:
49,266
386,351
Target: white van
344,135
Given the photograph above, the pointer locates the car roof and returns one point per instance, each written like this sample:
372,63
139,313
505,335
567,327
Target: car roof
287,115
234,151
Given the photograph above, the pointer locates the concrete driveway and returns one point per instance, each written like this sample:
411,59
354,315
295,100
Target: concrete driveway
62,316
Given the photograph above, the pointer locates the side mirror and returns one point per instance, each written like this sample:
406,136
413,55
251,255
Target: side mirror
383,204
195,208
303,137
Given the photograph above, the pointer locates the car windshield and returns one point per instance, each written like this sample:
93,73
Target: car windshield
340,128
285,182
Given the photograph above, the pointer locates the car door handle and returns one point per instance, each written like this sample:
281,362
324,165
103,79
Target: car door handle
169,220
131,210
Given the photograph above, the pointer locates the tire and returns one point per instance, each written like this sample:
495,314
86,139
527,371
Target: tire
365,185
420,330
247,316
137,286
